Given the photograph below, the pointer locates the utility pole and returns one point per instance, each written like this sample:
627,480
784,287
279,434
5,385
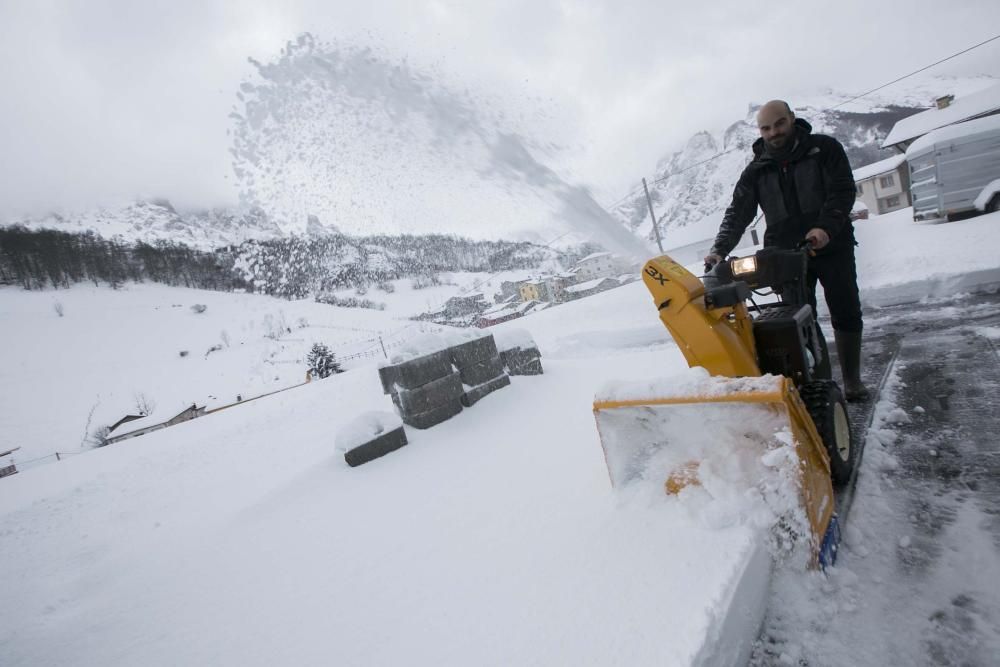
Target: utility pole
383,347
652,216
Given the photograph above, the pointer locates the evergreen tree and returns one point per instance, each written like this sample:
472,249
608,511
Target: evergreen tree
322,362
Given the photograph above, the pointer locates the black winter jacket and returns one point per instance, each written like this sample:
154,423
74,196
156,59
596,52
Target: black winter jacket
813,187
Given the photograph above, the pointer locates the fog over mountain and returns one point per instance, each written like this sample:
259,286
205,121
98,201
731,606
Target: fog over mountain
336,140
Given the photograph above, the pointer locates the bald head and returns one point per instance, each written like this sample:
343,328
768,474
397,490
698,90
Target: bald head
775,121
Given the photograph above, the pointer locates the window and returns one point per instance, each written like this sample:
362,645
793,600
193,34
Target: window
891,201
888,181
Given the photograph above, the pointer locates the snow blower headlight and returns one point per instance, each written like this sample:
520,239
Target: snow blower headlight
744,266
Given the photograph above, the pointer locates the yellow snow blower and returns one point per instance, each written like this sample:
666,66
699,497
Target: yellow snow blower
759,388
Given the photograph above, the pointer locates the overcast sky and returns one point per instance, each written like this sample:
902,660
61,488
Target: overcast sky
110,99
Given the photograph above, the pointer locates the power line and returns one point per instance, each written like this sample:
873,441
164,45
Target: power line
696,164
856,97
954,55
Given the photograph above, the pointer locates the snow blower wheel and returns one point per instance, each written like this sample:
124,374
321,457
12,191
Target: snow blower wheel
827,407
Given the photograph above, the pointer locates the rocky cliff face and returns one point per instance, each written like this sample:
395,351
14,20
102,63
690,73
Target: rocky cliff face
693,186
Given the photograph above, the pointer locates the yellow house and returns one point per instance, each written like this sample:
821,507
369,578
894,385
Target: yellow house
531,290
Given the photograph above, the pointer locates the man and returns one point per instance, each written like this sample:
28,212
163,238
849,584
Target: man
804,185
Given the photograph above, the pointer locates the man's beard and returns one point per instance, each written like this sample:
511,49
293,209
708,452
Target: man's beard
780,143
786,147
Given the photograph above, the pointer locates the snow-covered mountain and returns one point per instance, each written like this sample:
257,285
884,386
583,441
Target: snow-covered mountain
692,187
156,220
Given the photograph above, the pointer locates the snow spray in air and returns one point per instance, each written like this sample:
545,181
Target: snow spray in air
374,146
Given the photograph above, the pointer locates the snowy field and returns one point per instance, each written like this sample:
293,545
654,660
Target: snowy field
242,537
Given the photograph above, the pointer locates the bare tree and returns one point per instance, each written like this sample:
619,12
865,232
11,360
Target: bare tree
58,307
99,436
144,404
86,429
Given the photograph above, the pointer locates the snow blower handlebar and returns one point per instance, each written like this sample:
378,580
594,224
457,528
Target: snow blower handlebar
783,271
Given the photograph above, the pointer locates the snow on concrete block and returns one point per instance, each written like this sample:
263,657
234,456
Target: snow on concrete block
509,339
370,436
483,371
416,371
477,393
420,346
432,395
523,361
474,351
433,417
519,352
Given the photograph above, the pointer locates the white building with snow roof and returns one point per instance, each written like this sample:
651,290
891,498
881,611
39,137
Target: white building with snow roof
884,186
600,265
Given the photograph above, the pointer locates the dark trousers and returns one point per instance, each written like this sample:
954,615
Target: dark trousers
838,275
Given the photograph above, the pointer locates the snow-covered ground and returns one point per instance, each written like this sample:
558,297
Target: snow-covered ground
242,538
110,352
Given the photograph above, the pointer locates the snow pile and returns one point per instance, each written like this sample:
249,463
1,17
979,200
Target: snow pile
739,457
691,382
894,251
510,338
240,538
418,346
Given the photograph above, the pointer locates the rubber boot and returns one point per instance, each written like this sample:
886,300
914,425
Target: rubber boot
849,351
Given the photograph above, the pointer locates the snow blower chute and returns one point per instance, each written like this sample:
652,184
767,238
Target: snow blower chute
765,382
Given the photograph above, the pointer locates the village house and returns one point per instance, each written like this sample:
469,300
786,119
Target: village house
590,288
884,186
508,311
133,428
535,289
550,288
468,304
600,265
509,288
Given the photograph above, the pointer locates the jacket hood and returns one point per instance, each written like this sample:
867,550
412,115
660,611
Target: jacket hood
802,128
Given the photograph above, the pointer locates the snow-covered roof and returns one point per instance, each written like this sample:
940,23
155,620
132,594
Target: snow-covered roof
153,419
526,306
594,255
364,428
952,132
590,284
962,108
475,296
500,310
138,424
880,167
